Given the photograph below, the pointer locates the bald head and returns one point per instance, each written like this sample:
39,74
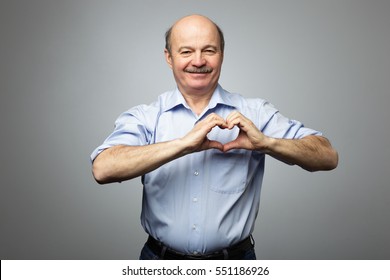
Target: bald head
193,21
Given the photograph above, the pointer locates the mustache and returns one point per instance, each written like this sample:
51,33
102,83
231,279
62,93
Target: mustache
203,69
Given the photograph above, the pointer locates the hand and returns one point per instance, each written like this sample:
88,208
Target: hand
196,140
249,137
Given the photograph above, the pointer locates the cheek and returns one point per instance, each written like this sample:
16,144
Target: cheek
216,63
180,64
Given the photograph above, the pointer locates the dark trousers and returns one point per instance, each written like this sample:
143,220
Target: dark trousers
148,254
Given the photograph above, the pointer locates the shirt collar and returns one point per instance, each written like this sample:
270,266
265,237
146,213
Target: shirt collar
220,96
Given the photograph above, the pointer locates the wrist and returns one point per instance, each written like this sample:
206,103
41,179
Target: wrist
267,145
182,147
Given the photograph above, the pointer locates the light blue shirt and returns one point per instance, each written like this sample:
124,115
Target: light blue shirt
207,200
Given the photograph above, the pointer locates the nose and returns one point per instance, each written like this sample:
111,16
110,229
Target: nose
198,60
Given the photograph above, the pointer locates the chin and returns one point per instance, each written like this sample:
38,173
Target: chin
200,86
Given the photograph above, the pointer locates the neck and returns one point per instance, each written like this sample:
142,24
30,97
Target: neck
198,100
197,103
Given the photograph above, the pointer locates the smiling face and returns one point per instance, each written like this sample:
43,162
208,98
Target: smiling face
195,55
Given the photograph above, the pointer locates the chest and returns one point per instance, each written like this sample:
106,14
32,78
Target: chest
177,124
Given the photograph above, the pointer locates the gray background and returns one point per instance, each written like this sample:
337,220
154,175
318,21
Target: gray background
69,68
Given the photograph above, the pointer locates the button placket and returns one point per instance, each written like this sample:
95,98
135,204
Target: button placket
195,205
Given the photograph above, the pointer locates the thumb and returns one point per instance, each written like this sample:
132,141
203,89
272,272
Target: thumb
214,145
231,145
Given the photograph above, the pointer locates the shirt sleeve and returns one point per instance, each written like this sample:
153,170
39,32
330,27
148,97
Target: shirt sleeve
130,129
275,125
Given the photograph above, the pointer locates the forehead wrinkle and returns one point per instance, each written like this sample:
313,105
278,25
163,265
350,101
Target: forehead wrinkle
190,31
195,41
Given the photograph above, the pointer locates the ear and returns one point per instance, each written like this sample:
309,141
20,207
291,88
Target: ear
168,58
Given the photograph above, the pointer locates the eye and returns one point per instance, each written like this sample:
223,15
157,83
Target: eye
210,51
185,52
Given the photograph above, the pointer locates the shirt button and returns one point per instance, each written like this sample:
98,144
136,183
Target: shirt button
196,173
194,227
195,199
195,252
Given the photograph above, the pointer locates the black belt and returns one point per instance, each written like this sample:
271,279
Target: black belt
235,252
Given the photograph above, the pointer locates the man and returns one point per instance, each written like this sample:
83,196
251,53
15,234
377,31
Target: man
200,151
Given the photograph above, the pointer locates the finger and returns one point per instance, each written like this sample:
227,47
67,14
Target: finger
214,116
242,122
235,118
215,145
238,121
215,120
231,145
232,115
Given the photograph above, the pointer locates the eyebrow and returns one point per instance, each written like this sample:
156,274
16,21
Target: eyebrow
205,47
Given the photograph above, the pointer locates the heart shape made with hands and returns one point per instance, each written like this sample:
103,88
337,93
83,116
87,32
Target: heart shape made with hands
228,138
236,132
223,135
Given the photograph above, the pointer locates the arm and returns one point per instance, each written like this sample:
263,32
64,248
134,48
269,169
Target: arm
312,153
120,163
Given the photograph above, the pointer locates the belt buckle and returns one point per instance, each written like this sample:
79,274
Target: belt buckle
212,256
194,257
